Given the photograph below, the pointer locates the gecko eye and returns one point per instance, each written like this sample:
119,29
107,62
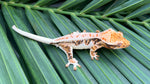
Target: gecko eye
119,44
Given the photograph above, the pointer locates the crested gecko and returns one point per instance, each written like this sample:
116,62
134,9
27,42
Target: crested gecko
85,40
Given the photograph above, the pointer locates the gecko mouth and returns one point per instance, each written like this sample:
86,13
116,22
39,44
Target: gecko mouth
121,45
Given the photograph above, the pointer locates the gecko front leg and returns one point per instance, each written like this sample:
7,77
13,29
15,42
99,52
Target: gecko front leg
93,49
69,52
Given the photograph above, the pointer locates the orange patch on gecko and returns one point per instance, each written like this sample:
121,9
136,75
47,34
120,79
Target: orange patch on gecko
83,35
77,36
93,35
66,38
90,34
96,35
58,39
61,38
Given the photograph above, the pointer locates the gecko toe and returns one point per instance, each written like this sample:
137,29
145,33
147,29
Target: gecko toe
75,68
74,62
92,58
67,65
79,65
96,57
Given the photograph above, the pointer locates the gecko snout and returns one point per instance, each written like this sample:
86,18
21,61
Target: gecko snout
125,43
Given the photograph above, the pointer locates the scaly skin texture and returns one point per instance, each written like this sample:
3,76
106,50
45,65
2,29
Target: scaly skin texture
85,40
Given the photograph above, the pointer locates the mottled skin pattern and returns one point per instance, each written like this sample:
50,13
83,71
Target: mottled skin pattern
85,40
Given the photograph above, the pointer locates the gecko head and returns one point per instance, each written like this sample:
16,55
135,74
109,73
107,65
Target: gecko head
114,40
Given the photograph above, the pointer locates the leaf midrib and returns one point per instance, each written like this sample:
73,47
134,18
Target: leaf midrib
69,13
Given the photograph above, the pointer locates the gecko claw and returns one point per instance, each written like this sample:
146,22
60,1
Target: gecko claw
67,65
75,67
96,57
74,62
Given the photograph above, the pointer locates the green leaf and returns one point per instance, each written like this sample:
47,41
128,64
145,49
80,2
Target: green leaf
10,70
93,5
34,57
141,32
44,2
141,11
116,3
70,3
124,6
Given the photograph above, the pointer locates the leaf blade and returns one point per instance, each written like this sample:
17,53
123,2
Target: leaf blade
10,70
39,66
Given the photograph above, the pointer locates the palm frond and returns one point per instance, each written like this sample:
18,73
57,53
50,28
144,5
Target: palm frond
53,18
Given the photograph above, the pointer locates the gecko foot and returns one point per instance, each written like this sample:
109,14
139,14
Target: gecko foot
74,62
95,56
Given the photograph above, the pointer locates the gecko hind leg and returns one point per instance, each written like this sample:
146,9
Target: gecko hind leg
69,52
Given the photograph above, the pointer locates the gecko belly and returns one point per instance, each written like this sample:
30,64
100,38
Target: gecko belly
82,46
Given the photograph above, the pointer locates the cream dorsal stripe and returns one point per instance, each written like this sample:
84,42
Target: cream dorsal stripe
32,36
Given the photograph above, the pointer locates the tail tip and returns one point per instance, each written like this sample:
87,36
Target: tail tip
14,27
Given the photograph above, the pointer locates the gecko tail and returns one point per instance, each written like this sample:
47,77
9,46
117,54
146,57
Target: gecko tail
32,36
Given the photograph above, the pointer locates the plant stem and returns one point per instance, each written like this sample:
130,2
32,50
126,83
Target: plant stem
67,12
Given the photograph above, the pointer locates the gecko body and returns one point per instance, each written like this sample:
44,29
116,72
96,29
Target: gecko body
82,40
